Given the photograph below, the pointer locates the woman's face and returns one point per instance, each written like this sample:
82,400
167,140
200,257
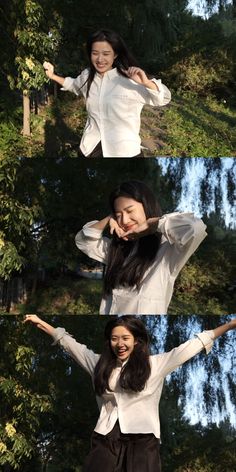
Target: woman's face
129,213
122,342
102,56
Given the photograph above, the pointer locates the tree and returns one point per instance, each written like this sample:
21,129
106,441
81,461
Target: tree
35,37
48,408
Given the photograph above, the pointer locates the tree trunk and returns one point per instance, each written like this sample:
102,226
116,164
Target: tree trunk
26,114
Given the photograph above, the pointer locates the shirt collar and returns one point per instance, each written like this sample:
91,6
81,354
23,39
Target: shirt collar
110,74
120,363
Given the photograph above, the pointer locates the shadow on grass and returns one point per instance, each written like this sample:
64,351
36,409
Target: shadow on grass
63,135
210,127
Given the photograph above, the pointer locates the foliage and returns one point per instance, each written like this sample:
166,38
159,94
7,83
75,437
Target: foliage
35,39
43,212
48,409
70,295
16,219
202,75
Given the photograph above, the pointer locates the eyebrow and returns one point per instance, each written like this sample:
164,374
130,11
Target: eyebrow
124,209
96,50
122,336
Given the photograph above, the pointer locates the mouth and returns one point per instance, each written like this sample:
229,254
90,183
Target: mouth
120,352
129,227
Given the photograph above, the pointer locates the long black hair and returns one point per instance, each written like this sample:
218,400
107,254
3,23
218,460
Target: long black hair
129,260
124,58
136,371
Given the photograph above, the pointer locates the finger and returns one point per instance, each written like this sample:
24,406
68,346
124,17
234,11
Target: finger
118,232
127,233
46,65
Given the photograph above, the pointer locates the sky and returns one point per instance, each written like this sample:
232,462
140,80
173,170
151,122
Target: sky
190,196
194,406
197,7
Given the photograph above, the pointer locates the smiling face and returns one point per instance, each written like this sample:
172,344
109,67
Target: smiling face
102,56
122,342
129,213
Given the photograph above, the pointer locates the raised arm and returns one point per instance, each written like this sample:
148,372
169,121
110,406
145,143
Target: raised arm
91,241
184,232
40,324
220,330
101,224
169,361
86,358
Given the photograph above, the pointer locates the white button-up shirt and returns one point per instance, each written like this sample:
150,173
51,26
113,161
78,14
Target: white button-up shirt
114,106
181,235
136,412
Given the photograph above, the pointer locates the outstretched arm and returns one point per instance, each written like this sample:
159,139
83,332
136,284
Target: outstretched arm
220,330
169,361
86,358
40,324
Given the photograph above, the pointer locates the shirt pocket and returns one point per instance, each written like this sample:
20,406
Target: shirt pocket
123,106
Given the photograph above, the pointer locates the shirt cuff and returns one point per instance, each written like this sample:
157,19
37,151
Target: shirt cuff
178,227
92,232
58,334
68,84
207,338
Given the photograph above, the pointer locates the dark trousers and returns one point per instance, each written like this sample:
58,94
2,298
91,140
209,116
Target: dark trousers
118,452
97,152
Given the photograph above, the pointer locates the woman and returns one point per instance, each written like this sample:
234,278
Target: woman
115,90
145,253
128,383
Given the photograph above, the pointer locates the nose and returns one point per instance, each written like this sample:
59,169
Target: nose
125,219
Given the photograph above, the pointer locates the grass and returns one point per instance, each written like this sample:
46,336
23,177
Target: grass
78,296
193,127
188,126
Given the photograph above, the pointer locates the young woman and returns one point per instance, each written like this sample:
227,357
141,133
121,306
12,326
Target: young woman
145,253
115,90
128,383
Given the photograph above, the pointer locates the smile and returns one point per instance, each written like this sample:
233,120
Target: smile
127,228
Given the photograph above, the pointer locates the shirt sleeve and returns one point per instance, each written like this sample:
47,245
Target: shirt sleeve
92,242
184,232
77,85
86,358
158,97
167,362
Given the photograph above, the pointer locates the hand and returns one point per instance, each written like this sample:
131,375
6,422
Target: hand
34,319
49,69
138,75
148,227
40,323
114,227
